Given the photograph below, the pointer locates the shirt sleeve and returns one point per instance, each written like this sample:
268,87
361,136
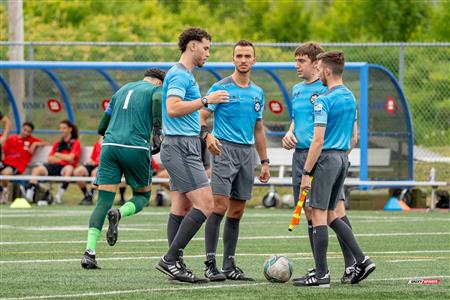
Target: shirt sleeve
156,108
76,149
260,113
35,140
53,150
110,107
292,102
212,107
320,112
178,85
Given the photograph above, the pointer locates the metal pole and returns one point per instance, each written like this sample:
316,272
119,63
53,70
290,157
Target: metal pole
16,34
31,73
433,188
401,65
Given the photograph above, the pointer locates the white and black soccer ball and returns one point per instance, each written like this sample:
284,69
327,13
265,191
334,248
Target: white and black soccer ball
278,268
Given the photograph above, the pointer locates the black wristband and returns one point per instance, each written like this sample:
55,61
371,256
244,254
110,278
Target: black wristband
204,132
263,161
306,173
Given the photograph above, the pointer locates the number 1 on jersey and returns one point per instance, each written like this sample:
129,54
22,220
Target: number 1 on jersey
127,99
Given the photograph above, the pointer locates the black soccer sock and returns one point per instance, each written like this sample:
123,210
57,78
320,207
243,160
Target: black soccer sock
212,229
320,237
310,233
84,190
64,185
344,233
188,228
230,238
172,226
122,193
349,260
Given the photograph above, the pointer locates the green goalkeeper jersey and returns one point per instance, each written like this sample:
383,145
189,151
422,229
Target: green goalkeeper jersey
134,109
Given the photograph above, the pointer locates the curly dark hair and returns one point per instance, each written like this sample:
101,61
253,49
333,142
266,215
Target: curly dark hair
155,73
29,124
192,34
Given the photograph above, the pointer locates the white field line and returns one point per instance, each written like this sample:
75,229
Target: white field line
68,228
191,288
278,237
243,222
338,255
74,213
409,260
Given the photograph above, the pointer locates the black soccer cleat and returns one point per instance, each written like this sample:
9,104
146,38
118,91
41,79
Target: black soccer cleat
211,271
87,200
313,281
178,272
348,274
88,261
362,270
113,230
310,272
236,273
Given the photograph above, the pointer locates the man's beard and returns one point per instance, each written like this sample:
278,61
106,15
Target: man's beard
243,71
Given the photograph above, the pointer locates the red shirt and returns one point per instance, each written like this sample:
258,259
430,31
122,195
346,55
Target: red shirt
95,156
154,165
16,152
75,148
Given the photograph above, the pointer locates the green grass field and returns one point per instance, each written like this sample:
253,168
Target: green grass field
41,250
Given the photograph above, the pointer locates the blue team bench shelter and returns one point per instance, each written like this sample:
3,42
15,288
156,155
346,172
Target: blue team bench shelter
78,91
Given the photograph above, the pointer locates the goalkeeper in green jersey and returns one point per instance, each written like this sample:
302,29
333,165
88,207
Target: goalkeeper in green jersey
133,113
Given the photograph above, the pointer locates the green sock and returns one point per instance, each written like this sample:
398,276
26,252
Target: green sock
128,209
135,204
93,236
97,219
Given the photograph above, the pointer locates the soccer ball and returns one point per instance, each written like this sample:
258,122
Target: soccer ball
278,268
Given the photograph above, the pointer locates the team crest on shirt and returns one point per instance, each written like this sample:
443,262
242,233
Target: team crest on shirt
313,98
318,109
257,104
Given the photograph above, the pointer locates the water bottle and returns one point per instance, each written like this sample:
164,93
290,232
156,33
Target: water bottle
432,174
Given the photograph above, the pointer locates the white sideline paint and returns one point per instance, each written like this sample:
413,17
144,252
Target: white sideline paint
409,260
287,216
69,228
192,288
3,262
277,237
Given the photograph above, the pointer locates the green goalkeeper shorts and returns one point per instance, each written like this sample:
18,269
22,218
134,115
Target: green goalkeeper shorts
133,163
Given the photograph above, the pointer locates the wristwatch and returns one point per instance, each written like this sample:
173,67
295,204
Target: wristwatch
306,173
205,101
263,161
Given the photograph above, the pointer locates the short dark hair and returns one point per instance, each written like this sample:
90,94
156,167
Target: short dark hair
245,43
29,124
334,60
192,34
310,49
74,135
155,73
